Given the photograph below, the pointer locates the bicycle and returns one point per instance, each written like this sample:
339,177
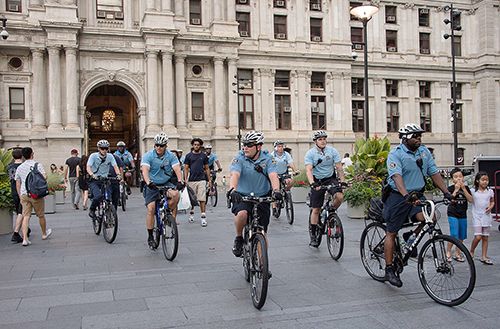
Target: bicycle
330,224
107,219
122,201
286,203
165,227
446,282
212,192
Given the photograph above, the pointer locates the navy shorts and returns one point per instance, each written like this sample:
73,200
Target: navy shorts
396,211
318,197
263,210
153,195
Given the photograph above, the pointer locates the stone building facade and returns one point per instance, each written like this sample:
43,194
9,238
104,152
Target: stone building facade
73,72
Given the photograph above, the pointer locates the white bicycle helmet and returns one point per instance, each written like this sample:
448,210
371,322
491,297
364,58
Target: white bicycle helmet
319,133
409,129
161,139
102,143
120,143
278,142
208,146
253,136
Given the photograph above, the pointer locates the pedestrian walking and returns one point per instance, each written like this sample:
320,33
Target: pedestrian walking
70,166
81,174
11,171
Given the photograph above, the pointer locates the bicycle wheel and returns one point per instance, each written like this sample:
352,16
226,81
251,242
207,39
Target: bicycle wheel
169,237
259,275
246,256
334,236
110,224
447,282
319,228
372,250
97,223
215,196
289,208
123,197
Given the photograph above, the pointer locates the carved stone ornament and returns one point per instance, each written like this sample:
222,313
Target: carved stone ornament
471,12
440,8
409,5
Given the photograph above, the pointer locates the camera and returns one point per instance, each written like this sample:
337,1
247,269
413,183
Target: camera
4,34
354,54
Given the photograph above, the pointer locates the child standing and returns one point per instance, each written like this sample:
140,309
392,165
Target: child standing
481,214
457,212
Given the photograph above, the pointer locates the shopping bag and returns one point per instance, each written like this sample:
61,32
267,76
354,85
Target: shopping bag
192,197
184,203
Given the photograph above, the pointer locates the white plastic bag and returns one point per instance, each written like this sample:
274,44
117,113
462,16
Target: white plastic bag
184,203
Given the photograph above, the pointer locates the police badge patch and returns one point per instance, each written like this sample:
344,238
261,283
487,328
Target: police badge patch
235,160
392,165
273,160
424,155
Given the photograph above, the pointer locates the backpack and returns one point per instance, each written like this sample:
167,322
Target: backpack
36,184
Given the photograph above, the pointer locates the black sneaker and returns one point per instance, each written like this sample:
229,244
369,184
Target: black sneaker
275,213
406,235
152,243
314,242
392,277
129,191
16,237
238,246
92,214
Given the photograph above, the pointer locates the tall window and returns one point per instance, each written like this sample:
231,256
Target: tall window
354,4
197,106
392,117
423,17
316,29
244,20
390,14
357,86
458,90
425,46
318,81
459,120
425,116
279,3
280,27
110,9
358,124
245,77
283,112
14,6
457,19
318,112
391,38
246,111
195,12
16,101
357,36
458,45
424,89
391,88
315,5
282,79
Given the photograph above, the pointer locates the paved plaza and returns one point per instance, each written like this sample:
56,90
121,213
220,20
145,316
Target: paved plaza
77,280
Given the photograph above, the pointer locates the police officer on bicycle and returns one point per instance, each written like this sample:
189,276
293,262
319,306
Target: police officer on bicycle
128,163
321,163
252,171
212,158
407,164
99,164
156,167
283,160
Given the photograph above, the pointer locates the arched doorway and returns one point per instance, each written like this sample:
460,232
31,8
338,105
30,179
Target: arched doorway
112,115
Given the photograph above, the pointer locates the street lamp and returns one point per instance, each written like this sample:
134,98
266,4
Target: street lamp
453,106
237,92
364,14
4,34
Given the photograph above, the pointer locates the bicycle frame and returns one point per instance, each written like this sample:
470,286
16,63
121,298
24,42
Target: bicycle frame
161,205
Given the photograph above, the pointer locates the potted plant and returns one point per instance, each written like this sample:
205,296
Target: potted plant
430,189
363,187
6,201
300,187
59,191
50,200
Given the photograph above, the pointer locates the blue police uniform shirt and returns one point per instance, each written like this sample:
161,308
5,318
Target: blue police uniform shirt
100,167
119,163
126,158
283,161
404,162
157,174
326,168
211,159
251,181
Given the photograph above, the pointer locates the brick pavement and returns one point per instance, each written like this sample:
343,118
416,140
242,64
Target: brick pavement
76,280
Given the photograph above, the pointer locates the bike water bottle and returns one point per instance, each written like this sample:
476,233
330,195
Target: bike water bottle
412,238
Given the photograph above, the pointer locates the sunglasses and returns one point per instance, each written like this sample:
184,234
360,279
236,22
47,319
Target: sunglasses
416,135
103,148
159,145
249,145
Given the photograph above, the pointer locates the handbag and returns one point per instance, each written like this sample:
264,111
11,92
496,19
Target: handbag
184,203
192,197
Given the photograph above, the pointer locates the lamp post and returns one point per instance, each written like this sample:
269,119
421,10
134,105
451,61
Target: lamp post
4,34
453,106
237,92
364,14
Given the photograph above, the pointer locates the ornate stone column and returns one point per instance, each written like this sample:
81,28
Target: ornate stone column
152,87
380,107
231,10
168,92
55,88
218,9
151,5
166,5
179,8
71,89
38,96
218,87
304,91
180,91
232,107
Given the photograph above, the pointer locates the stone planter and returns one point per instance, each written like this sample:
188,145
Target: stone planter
299,194
50,204
5,221
357,212
59,197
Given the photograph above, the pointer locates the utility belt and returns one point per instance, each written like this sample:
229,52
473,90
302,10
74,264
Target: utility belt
322,180
388,190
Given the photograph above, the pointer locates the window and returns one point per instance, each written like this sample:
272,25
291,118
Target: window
242,2
391,38
390,14
280,3
357,87
16,100
195,12
316,29
425,116
283,112
391,88
458,90
315,5
425,89
282,79
457,41
354,5
460,152
392,117
110,9
280,27
358,124
357,37
457,18
197,106
423,17
318,80
14,6
425,47
459,120
245,77
246,111
318,112
244,27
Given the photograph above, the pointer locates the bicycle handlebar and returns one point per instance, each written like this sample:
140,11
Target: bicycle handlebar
104,178
258,199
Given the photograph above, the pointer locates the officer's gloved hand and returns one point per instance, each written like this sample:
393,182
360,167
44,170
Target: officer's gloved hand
235,197
277,195
449,196
95,177
118,177
343,184
410,198
152,186
179,186
315,184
